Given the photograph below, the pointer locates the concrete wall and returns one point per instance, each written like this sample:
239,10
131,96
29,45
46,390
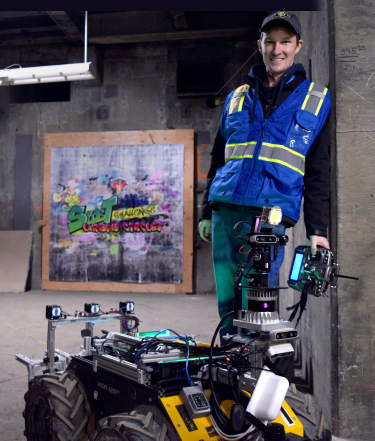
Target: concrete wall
142,78
145,78
354,31
313,366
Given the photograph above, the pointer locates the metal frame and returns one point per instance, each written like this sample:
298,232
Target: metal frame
63,358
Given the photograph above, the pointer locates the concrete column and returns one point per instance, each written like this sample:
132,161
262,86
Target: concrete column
313,363
354,397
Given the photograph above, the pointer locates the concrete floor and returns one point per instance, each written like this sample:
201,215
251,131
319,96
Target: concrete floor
334,438
24,329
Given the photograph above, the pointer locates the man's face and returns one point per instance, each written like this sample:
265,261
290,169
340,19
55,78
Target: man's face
278,47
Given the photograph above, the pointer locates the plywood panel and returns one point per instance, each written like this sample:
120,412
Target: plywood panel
15,254
103,139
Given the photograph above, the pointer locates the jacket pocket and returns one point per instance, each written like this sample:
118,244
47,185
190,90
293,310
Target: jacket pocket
284,175
225,181
237,127
281,187
301,130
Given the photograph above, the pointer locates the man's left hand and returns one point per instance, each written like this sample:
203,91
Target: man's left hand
318,240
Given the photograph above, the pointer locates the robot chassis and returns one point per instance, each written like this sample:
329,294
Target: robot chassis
167,387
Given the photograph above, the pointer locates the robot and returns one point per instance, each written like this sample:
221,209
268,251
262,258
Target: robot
163,386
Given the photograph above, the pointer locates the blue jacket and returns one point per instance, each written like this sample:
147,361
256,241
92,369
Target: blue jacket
265,158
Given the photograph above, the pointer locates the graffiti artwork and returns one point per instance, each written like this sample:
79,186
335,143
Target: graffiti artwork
117,214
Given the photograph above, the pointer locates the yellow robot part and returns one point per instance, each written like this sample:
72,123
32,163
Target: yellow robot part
201,429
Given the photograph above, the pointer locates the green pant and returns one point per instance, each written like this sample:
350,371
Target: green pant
226,258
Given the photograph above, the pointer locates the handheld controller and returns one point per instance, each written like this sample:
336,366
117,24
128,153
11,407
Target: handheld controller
314,274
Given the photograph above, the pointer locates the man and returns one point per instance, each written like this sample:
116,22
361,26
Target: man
273,147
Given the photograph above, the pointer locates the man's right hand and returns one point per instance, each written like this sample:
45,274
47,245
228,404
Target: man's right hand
318,240
204,228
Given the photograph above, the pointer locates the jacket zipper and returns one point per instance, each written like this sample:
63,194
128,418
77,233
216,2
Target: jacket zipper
255,158
265,119
268,108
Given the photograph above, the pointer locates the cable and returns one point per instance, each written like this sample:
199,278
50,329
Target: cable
231,437
232,385
159,383
127,319
236,226
221,420
110,350
138,354
243,246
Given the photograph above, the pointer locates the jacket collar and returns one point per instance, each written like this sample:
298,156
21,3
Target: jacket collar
258,74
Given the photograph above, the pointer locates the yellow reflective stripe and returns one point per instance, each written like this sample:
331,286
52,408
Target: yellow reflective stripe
279,146
241,143
233,101
283,163
241,103
321,102
244,88
307,96
242,150
238,157
237,100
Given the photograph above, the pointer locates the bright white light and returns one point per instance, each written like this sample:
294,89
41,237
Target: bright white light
46,74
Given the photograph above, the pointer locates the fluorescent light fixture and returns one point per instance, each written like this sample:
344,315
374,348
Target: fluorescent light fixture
46,74
49,74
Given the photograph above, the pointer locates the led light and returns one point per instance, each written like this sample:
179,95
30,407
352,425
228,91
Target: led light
127,307
46,74
275,216
53,312
92,308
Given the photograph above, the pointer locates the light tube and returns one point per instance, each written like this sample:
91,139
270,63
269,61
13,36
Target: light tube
46,74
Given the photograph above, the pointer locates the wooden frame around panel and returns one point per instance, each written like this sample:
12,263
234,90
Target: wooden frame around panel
185,137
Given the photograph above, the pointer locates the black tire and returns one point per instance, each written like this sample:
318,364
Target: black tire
56,409
135,426
305,407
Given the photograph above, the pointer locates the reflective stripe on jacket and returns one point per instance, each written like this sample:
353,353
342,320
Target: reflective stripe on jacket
265,159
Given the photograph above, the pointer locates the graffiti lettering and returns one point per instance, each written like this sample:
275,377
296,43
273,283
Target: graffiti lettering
132,201
77,218
78,215
130,213
95,216
101,228
138,227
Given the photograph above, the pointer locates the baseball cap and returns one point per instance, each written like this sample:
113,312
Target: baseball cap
282,17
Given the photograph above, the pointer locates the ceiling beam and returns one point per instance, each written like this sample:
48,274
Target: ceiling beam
27,31
64,22
179,20
19,14
163,36
33,38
